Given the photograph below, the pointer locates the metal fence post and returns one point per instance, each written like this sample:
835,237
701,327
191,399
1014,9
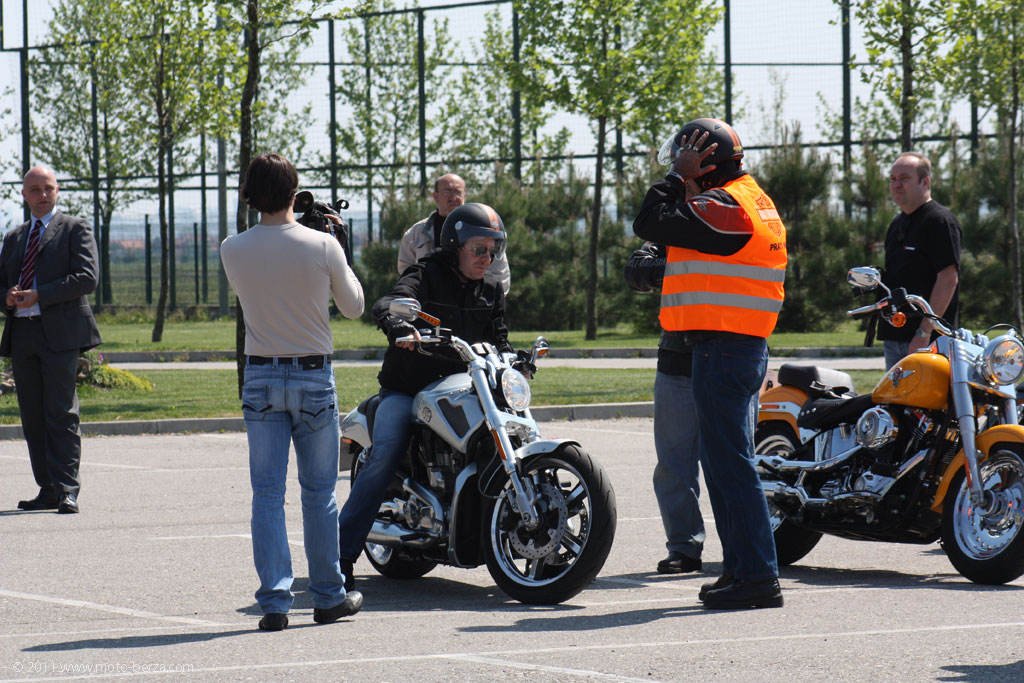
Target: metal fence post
26,132
369,156
202,210
195,257
149,262
102,232
172,275
517,114
847,103
422,85
727,26
333,111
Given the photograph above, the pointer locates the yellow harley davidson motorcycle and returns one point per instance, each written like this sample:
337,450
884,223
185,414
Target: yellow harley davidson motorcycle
934,452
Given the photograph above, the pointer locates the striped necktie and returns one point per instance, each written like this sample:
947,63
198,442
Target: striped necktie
28,266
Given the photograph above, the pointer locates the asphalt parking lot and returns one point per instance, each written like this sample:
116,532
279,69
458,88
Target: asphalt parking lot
154,580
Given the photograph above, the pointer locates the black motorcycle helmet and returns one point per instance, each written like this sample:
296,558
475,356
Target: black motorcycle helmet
729,146
473,220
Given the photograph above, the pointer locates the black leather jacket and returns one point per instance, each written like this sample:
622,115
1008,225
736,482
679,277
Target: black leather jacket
472,309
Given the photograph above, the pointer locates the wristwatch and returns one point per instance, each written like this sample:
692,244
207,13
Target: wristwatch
673,174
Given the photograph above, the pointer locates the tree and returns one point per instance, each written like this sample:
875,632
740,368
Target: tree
73,137
170,54
380,87
903,40
987,63
613,61
264,23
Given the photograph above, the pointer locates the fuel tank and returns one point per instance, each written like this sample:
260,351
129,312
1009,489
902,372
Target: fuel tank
920,380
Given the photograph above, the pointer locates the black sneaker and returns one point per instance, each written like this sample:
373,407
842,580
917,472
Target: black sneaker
721,582
742,594
274,621
352,603
677,563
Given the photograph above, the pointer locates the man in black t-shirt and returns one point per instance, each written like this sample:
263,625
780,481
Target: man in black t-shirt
922,254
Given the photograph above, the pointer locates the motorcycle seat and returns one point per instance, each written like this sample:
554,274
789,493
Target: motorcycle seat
823,413
802,376
369,408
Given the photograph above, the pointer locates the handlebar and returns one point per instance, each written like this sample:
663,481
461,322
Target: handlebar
914,301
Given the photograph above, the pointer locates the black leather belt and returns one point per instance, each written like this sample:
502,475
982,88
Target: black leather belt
304,362
28,317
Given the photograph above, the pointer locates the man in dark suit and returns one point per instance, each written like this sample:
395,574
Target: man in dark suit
47,268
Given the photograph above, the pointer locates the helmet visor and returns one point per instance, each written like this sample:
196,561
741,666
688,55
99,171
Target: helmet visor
669,151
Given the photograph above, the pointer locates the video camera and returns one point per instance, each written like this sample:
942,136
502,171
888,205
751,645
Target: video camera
314,215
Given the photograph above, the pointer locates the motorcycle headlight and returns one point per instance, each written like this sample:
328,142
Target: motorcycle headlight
1002,362
516,389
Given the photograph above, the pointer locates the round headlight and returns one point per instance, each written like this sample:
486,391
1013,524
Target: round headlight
516,389
1003,360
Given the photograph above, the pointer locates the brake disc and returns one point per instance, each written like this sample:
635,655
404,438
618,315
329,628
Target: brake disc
543,540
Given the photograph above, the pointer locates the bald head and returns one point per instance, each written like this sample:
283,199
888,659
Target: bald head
39,190
449,193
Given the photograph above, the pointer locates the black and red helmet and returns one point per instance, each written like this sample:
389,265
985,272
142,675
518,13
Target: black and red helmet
473,220
729,145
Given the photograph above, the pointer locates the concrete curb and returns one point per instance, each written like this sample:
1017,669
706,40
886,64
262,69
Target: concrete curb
378,354
594,411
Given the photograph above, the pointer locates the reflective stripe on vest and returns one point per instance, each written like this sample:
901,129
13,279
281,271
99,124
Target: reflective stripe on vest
740,293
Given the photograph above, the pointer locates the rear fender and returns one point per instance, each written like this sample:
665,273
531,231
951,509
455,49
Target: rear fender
783,403
986,441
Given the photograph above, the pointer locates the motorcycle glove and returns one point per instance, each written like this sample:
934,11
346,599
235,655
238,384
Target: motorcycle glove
396,327
523,364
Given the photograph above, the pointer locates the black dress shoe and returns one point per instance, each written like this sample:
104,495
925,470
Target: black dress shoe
742,594
274,621
352,603
68,504
677,563
42,501
350,579
721,582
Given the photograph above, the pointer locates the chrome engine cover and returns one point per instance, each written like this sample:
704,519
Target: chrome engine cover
876,428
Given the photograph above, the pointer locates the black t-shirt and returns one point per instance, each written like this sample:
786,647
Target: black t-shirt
917,247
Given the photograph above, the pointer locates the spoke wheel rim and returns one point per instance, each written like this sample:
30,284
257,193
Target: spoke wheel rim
983,536
564,504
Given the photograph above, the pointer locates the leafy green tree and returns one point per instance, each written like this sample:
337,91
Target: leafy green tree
987,63
63,125
903,40
612,61
170,54
380,88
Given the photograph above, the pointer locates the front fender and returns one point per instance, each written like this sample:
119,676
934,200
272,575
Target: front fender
985,441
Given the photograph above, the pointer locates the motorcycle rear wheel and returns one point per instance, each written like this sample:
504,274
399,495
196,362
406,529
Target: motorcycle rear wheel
792,543
550,564
987,549
391,562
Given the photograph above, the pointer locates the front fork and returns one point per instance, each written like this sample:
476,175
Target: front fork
964,406
526,497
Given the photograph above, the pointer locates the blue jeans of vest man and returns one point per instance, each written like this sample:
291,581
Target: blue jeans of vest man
727,375
282,404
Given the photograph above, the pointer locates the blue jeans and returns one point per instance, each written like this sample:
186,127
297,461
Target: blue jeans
895,351
282,404
392,429
727,375
675,475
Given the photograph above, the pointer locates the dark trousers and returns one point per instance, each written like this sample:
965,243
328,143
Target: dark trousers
45,383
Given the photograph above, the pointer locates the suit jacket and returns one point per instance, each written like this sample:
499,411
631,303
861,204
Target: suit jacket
66,275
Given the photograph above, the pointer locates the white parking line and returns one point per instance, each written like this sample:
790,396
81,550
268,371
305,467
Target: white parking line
493,657
212,536
542,668
107,608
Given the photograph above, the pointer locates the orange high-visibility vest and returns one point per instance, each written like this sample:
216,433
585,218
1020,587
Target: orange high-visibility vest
741,293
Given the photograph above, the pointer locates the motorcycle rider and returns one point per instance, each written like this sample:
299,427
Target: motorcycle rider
723,288
450,285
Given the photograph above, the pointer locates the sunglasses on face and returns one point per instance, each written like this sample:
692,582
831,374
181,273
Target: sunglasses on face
480,251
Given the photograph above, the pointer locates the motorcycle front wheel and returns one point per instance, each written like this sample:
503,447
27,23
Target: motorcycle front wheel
792,543
987,546
556,560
